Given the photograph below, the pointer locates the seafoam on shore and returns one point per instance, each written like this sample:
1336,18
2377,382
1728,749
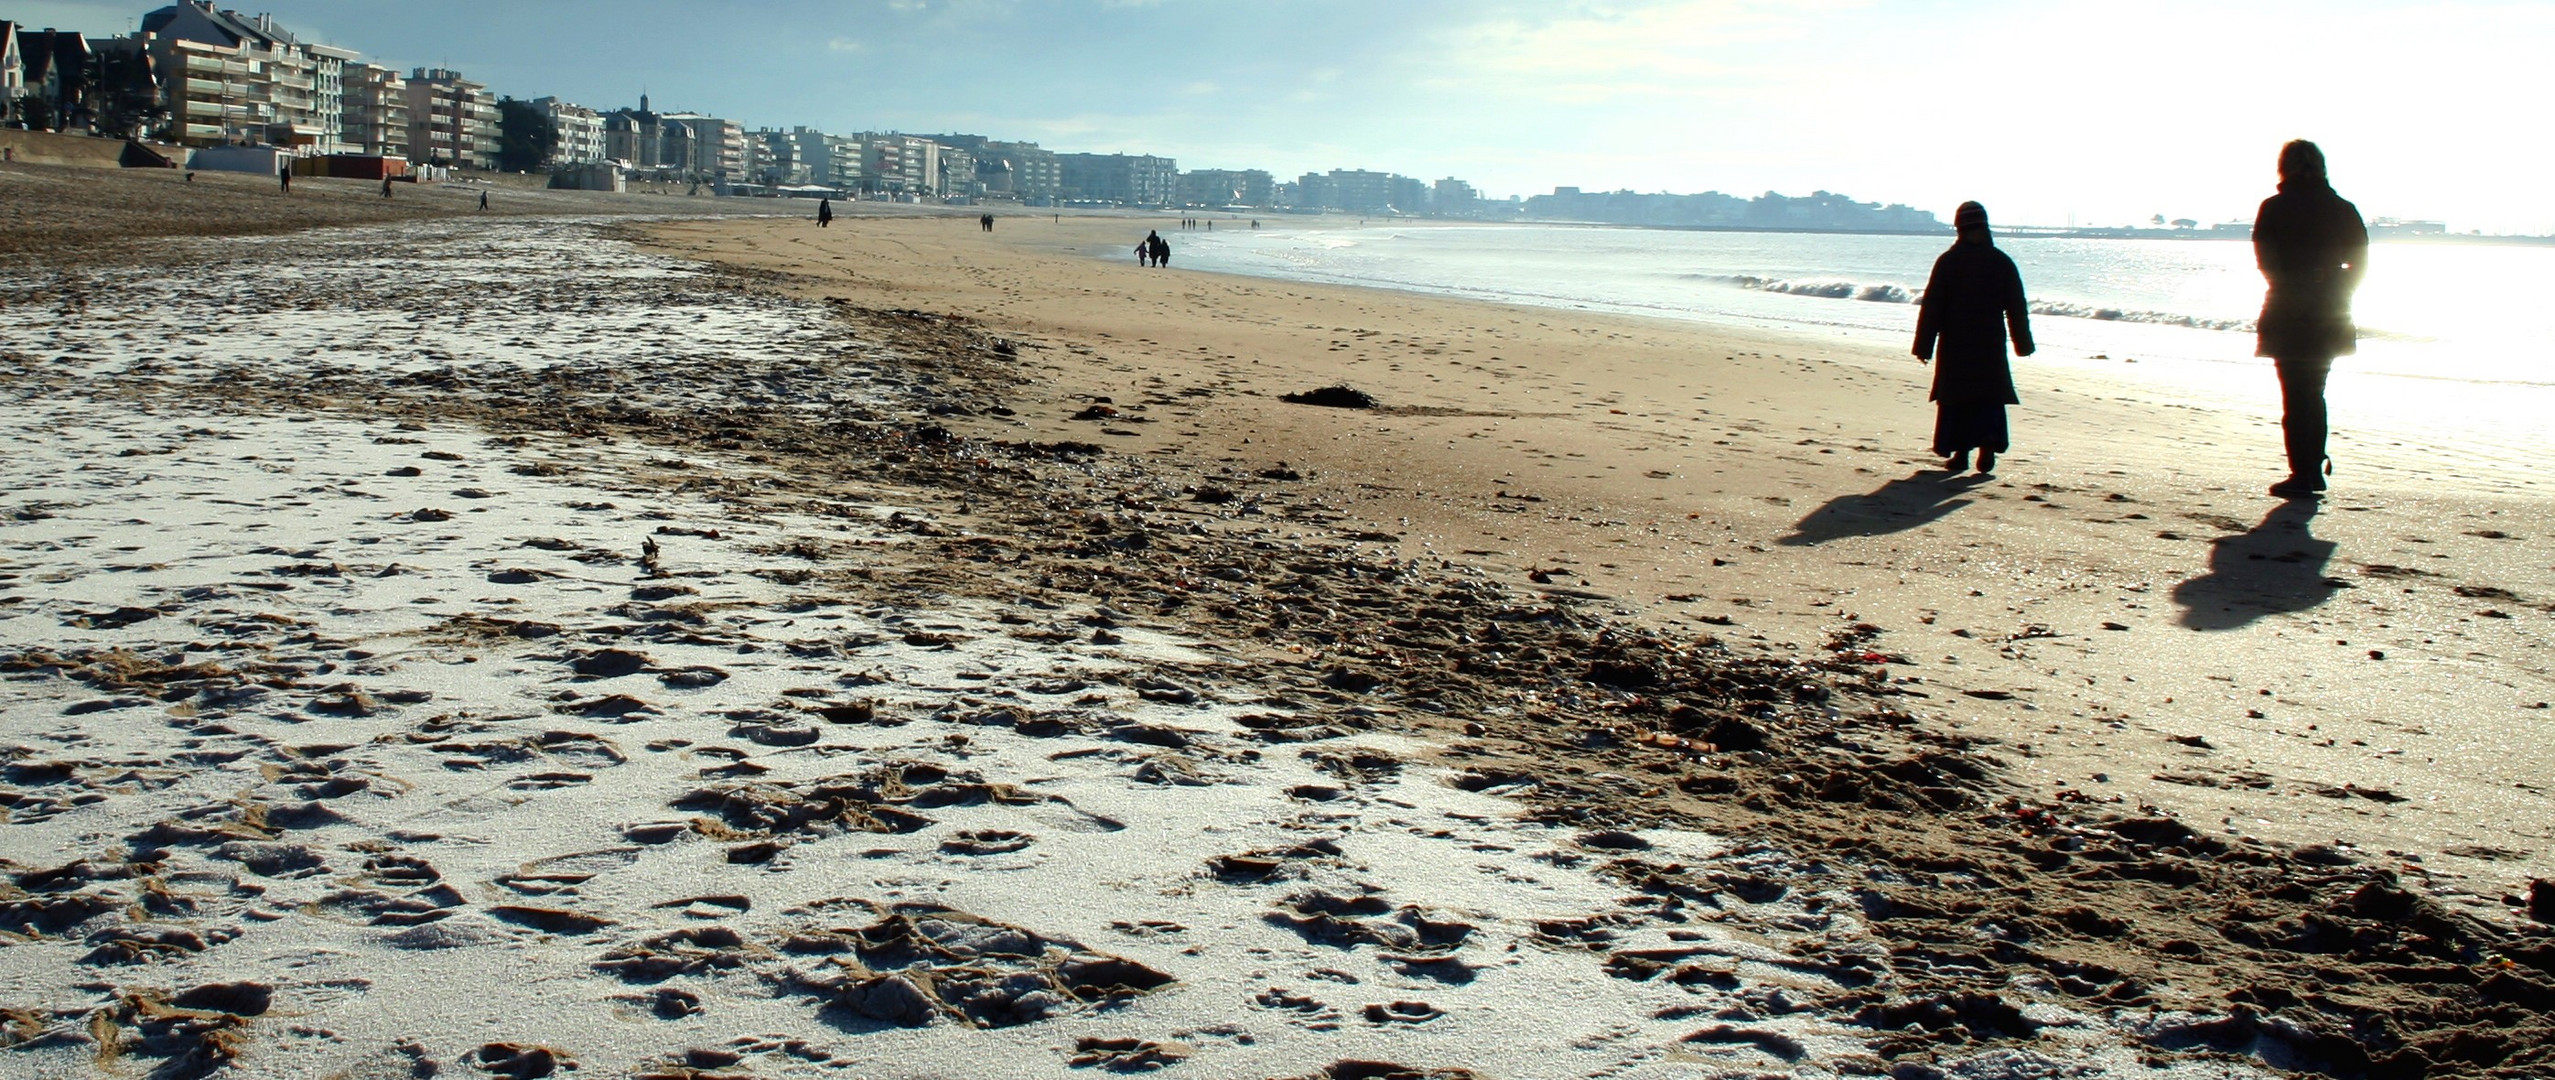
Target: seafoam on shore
346,735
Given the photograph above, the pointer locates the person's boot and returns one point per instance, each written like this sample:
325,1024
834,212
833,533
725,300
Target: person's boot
1986,462
2299,487
1958,462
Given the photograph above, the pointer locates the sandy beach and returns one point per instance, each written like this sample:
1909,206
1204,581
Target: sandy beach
2121,587
511,645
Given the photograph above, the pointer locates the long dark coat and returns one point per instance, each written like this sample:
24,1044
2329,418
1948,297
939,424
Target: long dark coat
2312,249
1972,300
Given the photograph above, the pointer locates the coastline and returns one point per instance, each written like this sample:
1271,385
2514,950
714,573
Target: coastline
582,654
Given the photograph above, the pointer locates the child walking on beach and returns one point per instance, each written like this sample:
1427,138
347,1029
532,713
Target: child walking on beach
1972,301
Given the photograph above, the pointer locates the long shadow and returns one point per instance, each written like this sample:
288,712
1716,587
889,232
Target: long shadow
2273,568
1897,506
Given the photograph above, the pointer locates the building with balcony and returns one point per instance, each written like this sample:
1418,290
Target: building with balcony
1360,191
1454,198
373,111
1124,179
703,149
451,120
894,164
234,79
1226,187
580,131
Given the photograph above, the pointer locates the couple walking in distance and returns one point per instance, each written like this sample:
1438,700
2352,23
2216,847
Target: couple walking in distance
2309,243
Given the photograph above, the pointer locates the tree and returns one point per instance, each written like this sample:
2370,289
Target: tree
127,95
526,139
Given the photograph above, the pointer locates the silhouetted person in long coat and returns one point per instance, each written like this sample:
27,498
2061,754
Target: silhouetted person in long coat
824,212
1972,301
2312,249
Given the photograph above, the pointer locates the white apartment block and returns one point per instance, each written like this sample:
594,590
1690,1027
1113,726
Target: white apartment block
580,131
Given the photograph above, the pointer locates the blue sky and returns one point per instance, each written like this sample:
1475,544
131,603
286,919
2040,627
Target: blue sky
2049,112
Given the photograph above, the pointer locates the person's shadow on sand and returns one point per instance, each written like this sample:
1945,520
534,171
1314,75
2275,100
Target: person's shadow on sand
2276,567
1897,506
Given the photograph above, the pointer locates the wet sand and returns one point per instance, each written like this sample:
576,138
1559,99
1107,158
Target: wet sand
454,645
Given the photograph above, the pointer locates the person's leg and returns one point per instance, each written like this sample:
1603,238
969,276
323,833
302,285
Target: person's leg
2302,418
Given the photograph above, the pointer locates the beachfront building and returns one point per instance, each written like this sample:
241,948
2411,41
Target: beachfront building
231,79
451,120
52,72
1454,198
580,131
1313,191
702,149
800,155
634,136
1029,172
1002,170
1226,187
1360,191
13,82
957,174
894,164
373,114
1123,179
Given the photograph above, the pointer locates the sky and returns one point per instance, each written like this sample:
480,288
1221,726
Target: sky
2051,112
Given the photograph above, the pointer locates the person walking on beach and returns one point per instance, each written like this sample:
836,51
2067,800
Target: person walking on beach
1161,249
483,202
2312,248
824,213
385,187
287,177
1144,252
1973,300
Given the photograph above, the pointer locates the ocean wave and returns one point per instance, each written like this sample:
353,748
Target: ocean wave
1830,288
1882,293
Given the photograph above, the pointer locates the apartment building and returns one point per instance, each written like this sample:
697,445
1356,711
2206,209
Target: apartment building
894,164
580,131
1454,198
703,148
1030,173
1125,179
231,78
451,120
373,114
1226,187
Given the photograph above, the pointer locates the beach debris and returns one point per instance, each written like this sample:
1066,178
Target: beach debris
1333,397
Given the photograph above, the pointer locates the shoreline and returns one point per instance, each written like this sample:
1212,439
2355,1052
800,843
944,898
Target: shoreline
787,628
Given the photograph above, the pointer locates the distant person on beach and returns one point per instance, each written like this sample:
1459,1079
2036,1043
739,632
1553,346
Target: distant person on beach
1972,301
483,202
1144,252
287,177
385,187
2312,248
1161,250
824,213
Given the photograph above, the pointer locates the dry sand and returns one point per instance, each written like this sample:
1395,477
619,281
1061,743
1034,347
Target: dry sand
460,645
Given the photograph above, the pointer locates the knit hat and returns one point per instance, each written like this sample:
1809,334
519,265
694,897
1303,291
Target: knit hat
1970,216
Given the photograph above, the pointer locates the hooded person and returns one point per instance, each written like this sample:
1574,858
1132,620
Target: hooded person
2312,248
1973,301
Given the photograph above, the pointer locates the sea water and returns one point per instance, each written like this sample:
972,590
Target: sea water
2452,339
